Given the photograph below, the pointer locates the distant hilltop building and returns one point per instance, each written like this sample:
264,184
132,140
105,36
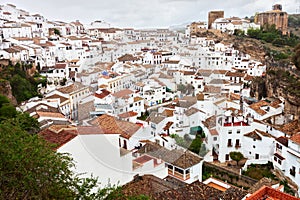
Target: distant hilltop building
275,16
213,15
195,27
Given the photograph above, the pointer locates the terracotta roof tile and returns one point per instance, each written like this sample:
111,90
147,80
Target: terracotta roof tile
111,125
89,130
155,118
128,114
50,114
296,138
257,107
104,93
213,131
180,158
168,113
195,190
267,192
136,99
235,74
283,140
123,93
57,96
254,135
70,88
168,125
210,122
42,108
127,57
60,66
192,111
60,137
291,128
211,89
147,185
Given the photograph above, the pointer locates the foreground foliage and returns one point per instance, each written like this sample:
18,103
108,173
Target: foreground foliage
30,169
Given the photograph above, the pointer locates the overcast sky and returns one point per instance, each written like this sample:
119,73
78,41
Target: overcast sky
145,14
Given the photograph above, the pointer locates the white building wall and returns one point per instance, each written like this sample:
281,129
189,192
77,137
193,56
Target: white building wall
90,159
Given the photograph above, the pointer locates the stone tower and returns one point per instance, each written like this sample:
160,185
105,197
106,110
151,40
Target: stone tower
213,15
275,16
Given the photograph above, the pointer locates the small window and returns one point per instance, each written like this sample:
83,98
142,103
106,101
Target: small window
230,132
238,131
256,156
227,157
215,138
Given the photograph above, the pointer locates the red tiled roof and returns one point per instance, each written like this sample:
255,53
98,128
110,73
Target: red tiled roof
143,159
168,113
128,114
283,140
296,138
211,89
57,96
267,192
213,131
291,128
103,94
257,107
60,65
89,130
70,88
60,137
111,125
235,74
136,99
168,125
254,135
123,93
127,57
50,114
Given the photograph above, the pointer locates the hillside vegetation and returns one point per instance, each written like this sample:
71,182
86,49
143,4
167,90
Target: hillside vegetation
15,80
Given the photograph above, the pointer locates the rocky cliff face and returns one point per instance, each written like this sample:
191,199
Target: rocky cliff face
243,44
280,83
5,89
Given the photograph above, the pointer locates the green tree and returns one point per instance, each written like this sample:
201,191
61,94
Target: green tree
22,88
6,109
238,32
196,144
56,32
254,33
236,156
30,169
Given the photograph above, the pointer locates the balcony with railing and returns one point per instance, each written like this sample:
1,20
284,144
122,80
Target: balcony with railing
179,173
